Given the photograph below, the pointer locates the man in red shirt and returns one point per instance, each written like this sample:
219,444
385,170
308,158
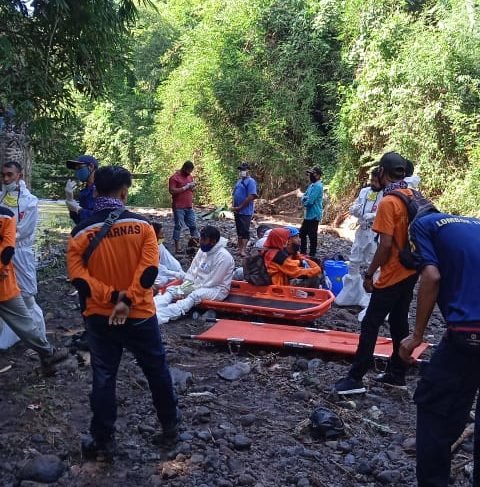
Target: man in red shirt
181,186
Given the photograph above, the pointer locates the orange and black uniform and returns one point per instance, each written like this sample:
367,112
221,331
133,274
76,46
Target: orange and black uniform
285,267
392,294
280,266
125,260
8,229
12,307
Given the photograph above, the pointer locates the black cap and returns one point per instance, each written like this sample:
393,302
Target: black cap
315,170
394,163
82,160
410,169
244,166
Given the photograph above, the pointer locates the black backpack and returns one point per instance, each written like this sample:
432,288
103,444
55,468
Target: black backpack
417,206
255,271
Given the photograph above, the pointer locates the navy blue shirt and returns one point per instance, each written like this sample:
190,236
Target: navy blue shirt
452,244
86,200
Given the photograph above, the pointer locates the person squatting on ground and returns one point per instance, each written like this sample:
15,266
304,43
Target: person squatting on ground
364,244
392,292
12,306
17,198
312,202
448,249
281,266
85,167
115,286
244,195
208,277
168,268
181,186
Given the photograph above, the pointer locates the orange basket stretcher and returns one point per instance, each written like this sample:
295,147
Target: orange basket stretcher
285,336
298,304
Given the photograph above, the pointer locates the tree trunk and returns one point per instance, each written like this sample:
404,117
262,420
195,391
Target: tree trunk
14,146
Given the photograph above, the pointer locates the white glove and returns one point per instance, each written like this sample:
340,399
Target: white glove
69,189
72,205
187,287
175,291
369,217
179,292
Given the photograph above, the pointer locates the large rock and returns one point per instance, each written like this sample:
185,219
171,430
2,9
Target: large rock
43,468
241,442
389,477
181,379
235,371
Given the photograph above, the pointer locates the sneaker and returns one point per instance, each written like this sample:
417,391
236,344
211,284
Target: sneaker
48,362
348,385
99,451
390,380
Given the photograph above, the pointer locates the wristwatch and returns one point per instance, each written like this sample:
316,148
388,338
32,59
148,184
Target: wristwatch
367,276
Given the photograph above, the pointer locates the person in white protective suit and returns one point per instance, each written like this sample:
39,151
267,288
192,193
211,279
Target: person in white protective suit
16,197
209,277
364,244
169,268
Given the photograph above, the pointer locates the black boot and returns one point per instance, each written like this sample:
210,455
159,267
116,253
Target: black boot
99,451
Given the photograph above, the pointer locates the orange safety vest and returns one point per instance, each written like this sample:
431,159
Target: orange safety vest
125,260
8,231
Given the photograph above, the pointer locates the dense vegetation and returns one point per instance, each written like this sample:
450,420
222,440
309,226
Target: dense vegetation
284,84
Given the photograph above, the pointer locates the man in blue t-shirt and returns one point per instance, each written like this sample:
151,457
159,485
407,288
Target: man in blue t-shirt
449,248
244,194
312,202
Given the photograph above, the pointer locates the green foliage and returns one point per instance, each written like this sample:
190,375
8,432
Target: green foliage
284,84
256,81
418,92
48,47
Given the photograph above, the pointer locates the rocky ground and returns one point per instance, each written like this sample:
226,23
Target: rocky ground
251,431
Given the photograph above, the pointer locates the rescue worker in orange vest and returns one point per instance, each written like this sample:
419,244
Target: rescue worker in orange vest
280,266
13,310
115,288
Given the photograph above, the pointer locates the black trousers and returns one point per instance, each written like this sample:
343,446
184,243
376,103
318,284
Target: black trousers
309,229
394,300
106,344
444,397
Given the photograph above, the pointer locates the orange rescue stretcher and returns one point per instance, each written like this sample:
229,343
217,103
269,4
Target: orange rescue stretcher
285,302
285,336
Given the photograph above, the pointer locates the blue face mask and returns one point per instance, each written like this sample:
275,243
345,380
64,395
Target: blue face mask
206,247
82,174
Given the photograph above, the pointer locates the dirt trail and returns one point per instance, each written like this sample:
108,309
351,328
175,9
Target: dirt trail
252,431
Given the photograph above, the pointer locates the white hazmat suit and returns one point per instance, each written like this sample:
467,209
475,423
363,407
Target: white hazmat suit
169,267
363,248
209,277
25,207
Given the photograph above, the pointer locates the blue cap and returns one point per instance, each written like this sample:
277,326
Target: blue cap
293,231
80,160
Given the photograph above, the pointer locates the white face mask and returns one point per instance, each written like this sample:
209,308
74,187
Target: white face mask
10,186
243,174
